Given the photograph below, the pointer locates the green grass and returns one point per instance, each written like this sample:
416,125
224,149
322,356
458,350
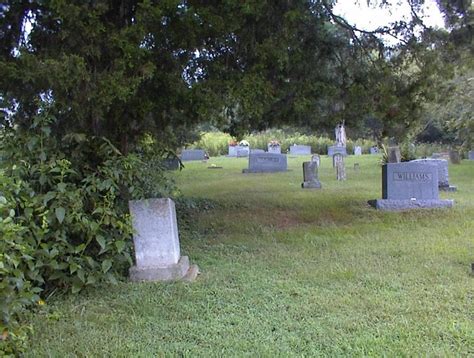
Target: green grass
289,272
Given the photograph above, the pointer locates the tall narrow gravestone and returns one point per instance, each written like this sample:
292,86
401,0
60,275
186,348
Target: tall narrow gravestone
394,155
410,185
454,157
338,162
357,150
470,155
156,242
310,176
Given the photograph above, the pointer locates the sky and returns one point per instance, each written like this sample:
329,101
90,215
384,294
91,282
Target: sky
371,17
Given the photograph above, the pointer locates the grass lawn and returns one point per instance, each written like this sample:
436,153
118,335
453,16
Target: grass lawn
289,272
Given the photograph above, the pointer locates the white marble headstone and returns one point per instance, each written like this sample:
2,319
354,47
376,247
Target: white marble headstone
156,232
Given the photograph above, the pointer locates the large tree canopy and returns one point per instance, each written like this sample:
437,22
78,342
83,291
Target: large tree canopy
120,69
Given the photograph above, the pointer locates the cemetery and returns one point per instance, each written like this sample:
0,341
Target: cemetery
271,253
236,179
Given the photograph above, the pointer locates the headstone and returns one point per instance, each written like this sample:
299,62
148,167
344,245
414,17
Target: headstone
454,157
334,149
443,173
171,163
374,150
471,155
394,155
357,150
232,151
252,151
266,163
317,159
410,185
300,149
242,151
274,149
442,155
356,167
193,154
310,176
338,161
156,242
238,150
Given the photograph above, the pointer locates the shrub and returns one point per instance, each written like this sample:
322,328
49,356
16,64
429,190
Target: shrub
64,221
214,143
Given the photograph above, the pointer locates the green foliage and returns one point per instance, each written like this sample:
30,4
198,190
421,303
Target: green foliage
216,143
122,69
64,221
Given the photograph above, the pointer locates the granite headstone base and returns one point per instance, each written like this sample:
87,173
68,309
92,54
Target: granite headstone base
450,188
401,205
311,185
179,271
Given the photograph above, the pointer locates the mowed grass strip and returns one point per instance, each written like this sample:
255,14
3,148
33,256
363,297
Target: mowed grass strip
290,272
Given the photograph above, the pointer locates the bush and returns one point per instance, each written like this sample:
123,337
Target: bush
64,220
215,143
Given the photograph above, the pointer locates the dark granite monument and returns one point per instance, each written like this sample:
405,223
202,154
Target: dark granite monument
266,163
193,154
410,185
